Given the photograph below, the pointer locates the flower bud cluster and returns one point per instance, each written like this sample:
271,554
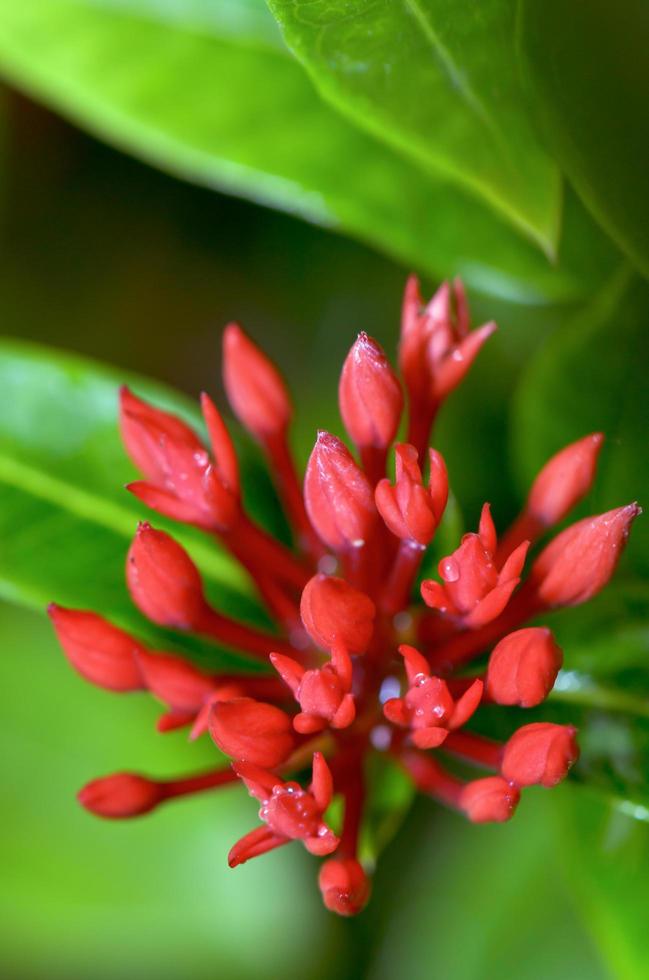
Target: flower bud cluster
354,667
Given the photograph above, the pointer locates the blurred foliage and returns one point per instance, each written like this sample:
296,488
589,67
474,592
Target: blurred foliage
587,67
411,129
248,121
554,893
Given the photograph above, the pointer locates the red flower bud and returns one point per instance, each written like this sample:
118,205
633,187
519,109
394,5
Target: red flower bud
541,753
163,580
523,667
323,693
344,885
124,794
436,348
252,731
564,480
102,653
179,684
489,800
370,395
290,812
410,511
255,389
580,561
335,613
183,483
428,707
338,496
475,590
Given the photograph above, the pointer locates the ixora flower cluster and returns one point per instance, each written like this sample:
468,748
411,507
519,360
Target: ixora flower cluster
357,667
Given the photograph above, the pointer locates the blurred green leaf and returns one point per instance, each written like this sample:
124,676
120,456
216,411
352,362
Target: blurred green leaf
592,375
439,82
588,69
389,796
146,897
65,519
206,92
604,851
482,901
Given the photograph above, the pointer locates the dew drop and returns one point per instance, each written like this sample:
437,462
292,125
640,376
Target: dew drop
450,570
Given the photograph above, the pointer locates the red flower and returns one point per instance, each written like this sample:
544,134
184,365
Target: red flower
342,690
428,708
289,812
475,589
411,511
323,694
183,482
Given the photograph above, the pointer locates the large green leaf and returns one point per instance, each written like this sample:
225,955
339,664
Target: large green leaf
481,901
588,69
206,92
439,81
65,519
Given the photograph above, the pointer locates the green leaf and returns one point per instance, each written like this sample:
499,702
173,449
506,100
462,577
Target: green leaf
65,519
592,375
588,69
206,92
389,796
439,82
471,901
140,896
603,850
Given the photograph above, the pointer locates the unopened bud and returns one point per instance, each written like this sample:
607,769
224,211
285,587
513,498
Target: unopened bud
541,753
523,667
580,561
252,731
99,651
370,395
489,800
338,496
122,795
344,885
564,480
163,580
335,613
174,681
255,389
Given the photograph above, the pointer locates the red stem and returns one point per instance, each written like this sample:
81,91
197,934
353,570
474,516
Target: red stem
421,417
373,460
475,748
241,637
257,549
402,576
430,778
289,488
198,783
354,795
